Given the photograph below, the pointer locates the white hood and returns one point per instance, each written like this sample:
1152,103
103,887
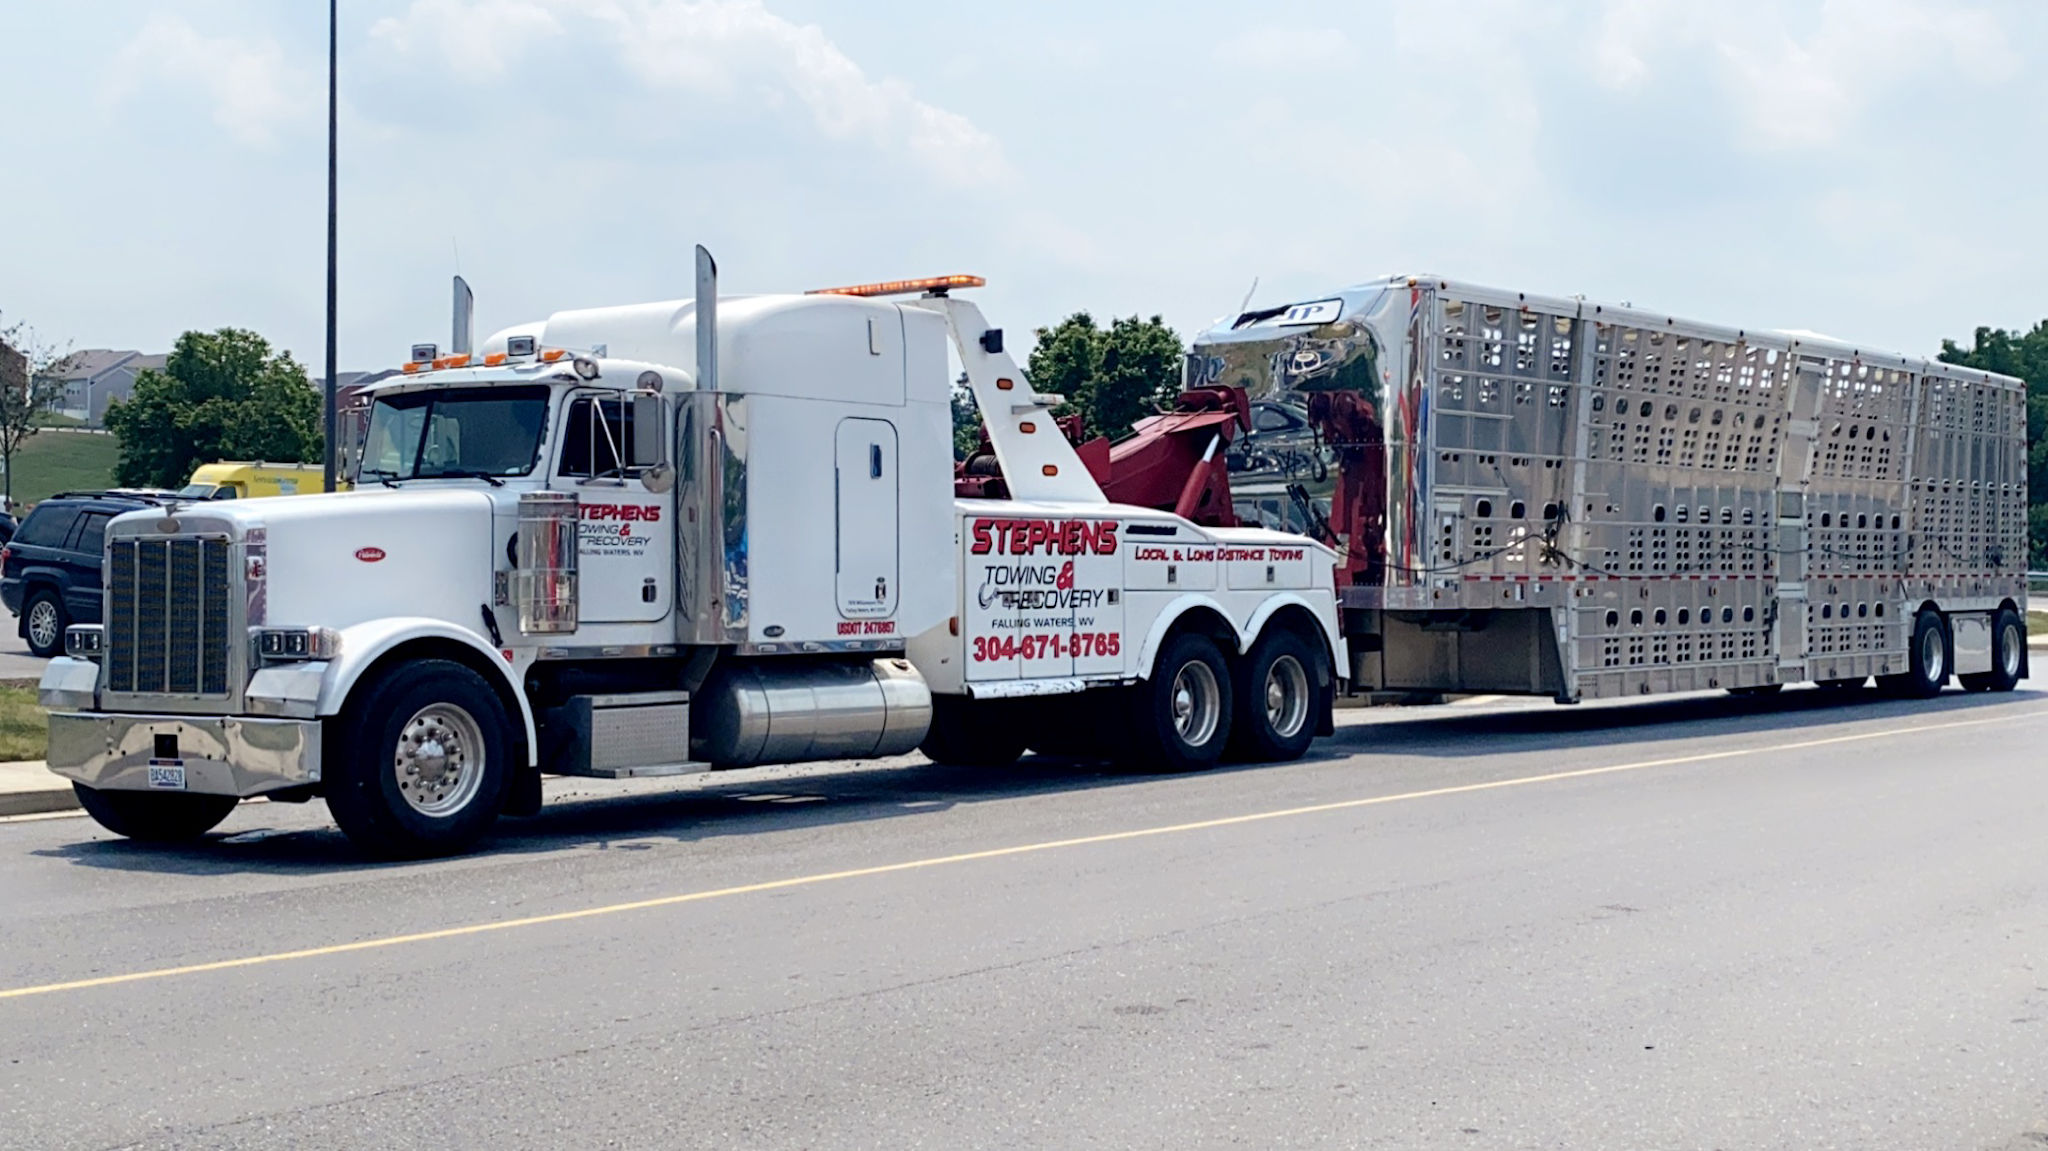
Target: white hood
343,558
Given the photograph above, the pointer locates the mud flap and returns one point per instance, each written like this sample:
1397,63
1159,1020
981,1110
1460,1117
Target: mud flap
522,792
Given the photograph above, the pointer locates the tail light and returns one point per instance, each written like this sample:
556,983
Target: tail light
6,553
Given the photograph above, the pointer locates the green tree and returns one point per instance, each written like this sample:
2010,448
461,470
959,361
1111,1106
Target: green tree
2022,354
1112,376
966,420
221,396
31,382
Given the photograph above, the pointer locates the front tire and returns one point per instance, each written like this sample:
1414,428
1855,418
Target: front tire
1927,660
2008,653
422,762
155,816
1277,698
43,621
1180,718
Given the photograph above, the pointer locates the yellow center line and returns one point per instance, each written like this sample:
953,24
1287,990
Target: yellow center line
990,853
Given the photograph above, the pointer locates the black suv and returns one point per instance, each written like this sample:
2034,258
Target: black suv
50,570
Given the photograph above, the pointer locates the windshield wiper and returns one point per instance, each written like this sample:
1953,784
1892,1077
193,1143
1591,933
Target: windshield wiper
460,474
386,478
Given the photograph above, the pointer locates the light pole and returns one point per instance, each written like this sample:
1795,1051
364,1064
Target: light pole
332,415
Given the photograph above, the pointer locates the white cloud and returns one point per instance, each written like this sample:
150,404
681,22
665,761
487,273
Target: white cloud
1288,46
730,50
478,39
1804,88
252,91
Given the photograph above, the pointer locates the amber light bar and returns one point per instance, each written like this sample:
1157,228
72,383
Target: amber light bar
939,284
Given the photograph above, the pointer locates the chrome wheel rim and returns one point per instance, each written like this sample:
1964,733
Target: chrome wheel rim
439,760
1197,703
1933,655
42,623
2009,650
1286,697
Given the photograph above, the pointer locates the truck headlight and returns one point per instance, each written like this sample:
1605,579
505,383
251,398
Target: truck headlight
293,644
85,641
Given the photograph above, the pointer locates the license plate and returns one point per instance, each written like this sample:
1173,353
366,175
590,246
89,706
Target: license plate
167,773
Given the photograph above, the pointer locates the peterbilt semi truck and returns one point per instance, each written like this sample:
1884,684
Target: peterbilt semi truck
1550,496
681,536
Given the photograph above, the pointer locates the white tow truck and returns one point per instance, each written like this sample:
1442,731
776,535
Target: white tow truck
673,537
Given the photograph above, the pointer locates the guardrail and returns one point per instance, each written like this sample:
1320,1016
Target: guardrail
2037,583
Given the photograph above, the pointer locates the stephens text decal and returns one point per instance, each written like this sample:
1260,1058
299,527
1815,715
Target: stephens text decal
1050,537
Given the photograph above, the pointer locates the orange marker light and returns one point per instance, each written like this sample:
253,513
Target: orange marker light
903,287
493,359
551,355
1027,427
1051,469
1005,384
411,368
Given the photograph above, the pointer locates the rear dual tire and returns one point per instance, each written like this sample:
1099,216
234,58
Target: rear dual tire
1280,698
1180,719
2008,655
1928,660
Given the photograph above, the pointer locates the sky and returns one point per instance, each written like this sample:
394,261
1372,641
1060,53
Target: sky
1870,169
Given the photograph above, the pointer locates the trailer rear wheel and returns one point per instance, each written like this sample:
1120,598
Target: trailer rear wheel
1927,660
155,816
965,733
422,761
2008,649
1180,718
1277,696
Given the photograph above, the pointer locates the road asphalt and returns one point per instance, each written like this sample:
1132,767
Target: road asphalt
1693,923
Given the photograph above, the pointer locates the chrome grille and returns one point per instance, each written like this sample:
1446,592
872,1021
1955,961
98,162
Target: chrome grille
167,615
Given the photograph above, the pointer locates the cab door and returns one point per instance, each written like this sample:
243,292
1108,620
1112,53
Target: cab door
865,494
610,445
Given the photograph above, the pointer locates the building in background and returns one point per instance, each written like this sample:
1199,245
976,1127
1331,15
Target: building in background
96,377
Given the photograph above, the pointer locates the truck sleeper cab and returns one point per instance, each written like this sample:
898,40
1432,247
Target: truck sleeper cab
655,539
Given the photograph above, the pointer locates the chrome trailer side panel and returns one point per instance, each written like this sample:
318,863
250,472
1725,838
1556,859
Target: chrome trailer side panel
1691,506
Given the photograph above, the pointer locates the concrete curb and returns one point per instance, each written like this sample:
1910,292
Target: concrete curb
28,788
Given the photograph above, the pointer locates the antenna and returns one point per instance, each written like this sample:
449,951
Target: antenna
1248,294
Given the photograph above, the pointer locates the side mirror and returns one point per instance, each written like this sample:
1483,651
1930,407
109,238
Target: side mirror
647,429
650,446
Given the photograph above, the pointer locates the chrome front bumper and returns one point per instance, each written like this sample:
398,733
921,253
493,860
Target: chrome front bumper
209,755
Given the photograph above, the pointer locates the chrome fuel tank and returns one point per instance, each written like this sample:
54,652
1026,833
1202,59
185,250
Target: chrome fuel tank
770,711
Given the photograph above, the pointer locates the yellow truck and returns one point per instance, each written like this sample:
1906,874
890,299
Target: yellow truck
243,480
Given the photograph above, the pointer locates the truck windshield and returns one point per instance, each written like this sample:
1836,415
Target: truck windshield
454,432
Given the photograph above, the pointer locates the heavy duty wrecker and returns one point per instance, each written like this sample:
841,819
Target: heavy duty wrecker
683,536
719,533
